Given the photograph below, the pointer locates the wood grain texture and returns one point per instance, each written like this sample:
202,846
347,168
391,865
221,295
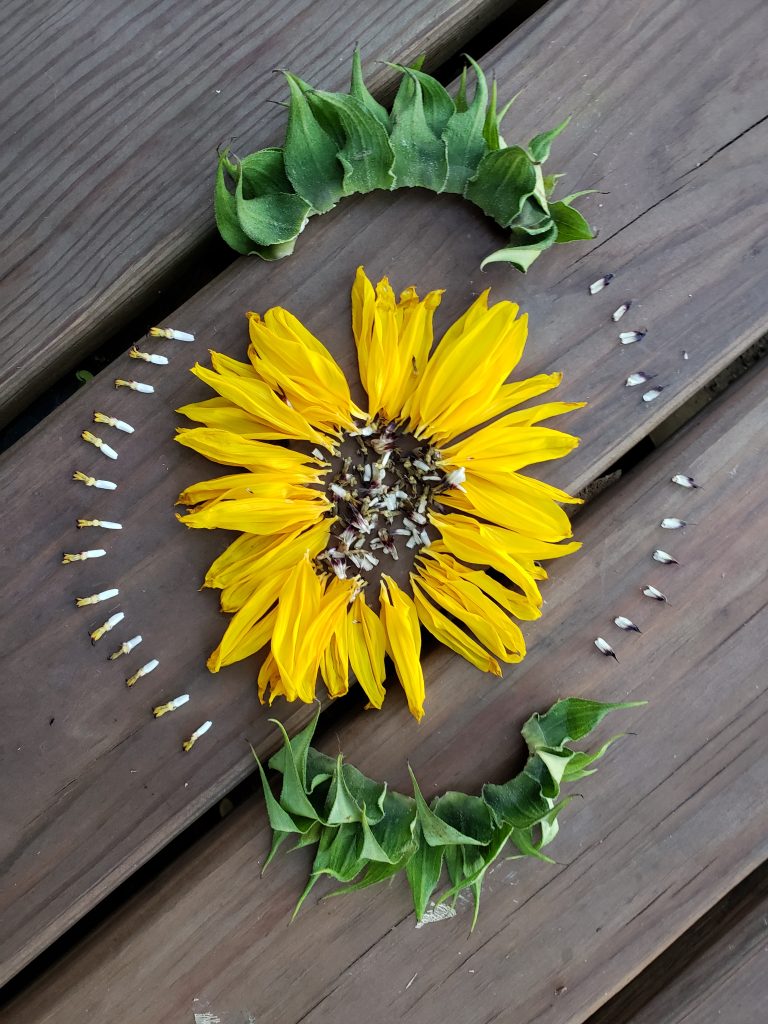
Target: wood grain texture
93,793
714,972
676,816
111,118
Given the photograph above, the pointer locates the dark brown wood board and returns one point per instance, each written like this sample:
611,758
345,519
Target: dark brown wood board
714,972
675,817
95,792
111,118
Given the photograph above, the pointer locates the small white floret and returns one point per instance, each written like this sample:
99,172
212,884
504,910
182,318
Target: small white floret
188,744
630,337
170,334
602,282
664,557
641,377
617,314
683,480
626,624
105,595
125,648
672,523
653,593
143,671
605,648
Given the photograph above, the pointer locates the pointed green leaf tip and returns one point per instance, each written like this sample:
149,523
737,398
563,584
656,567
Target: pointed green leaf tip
339,144
366,833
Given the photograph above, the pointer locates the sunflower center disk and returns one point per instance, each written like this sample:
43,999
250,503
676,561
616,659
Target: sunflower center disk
382,487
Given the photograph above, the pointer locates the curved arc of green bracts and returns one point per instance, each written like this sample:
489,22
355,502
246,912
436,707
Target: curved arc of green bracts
366,833
346,143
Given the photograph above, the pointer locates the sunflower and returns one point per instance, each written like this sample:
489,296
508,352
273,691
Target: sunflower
334,504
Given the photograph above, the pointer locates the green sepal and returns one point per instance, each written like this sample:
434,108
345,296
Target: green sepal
467,815
523,256
225,210
310,154
359,90
463,135
341,806
571,225
420,153
549,825
539,146
437,832
270,219
366,792
578,765
362,143
523,840
263,173
298,747
394,832
375,873
519,802
423,871
503,181
568,720
279,819
293,797
461,93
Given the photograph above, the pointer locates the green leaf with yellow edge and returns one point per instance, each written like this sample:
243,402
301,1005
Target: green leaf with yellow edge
540,146
310,155
463,135
362,143
503,181
423,871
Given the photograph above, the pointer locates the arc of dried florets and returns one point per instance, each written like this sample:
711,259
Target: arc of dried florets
338,144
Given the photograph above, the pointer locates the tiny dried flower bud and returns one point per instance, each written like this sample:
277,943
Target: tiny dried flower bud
148,357
605,648
641,377
98,443
101,417
653,593
630,337
105,524
134,385
652,395
105,595
143,671
664,557
188,744
683,480
111,622
672,523
627,624
617,314
125,648
602,282
83,556
171,335
163,709
91,481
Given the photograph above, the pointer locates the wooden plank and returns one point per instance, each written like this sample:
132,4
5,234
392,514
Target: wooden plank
675,817
95,792
111,119
714,972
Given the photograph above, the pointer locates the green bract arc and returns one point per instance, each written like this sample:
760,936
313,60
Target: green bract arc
341,144
366,833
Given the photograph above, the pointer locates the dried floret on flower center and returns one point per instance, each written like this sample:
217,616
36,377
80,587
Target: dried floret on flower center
381,494
413,513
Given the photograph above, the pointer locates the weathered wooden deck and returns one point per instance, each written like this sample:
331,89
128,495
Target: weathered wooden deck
655,908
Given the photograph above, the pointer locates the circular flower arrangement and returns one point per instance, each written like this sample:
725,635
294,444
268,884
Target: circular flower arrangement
427,478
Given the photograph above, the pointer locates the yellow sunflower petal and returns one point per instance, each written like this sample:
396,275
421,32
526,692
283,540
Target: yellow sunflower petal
363,311
456,529
257,398
259,515
230,449
219,412
248,630
334,663
443,565
448,633
499,449
530,514
367,649
490,624
234,367
403,639
297,609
